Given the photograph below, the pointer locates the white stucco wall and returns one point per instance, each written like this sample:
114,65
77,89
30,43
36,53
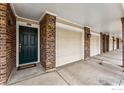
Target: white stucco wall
69,46
110,43
94,44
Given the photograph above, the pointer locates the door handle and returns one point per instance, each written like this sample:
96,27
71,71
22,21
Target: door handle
20,47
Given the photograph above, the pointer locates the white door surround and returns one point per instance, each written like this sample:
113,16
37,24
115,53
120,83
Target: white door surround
19,23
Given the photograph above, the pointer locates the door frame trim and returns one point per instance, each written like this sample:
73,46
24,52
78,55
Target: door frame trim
20,23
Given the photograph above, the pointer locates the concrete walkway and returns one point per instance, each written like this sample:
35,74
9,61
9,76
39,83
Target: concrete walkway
88,72
113,57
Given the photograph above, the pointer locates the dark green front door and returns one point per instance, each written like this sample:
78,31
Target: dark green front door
28,48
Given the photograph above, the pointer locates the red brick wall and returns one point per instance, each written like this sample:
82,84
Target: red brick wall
7,42
11,41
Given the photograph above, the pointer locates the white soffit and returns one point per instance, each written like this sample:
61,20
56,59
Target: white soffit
101,17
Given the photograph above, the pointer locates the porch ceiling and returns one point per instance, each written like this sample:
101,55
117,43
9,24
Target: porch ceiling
100,17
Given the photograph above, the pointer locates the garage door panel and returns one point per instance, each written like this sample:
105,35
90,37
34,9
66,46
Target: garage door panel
68,46
94,45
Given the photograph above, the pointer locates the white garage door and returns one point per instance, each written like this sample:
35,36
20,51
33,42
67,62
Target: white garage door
115,44
120,44
68,46
94,45
110,44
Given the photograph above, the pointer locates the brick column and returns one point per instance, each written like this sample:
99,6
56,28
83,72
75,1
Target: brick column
113,42
104,43
122,20
101,42
48,41
117,42
107,38
86,42
7,42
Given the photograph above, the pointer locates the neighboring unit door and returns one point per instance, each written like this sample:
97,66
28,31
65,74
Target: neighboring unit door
28,45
